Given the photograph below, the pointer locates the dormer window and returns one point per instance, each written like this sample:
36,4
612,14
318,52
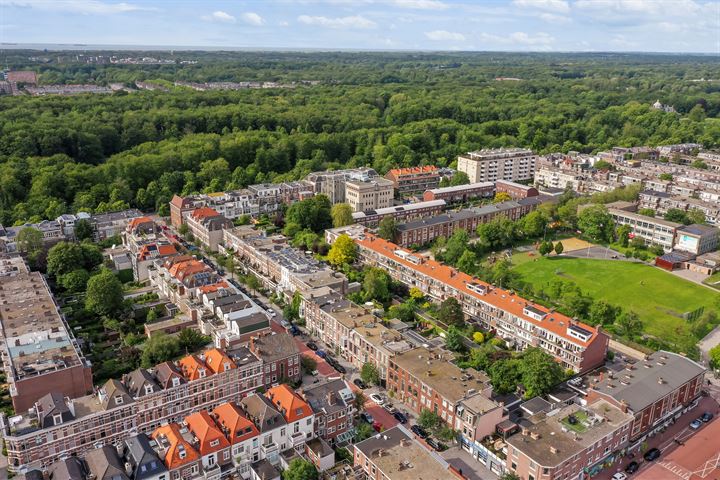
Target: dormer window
226,366
182,454
175,382
148,389
57,419
201,373
118,399
214,443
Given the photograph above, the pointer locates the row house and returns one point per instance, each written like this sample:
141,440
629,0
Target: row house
59,426
110,224
521,323
425,230
281,358
400,213
332,401
461,193
661,202
407,181
207,225
654,390
425,379
281,267
575,442
181,280
235,316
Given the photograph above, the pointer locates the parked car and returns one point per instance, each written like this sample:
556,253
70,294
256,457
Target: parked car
400,417
360,384
312,346
390,408
294,330
338,367
377,398
706,417
366,417
419,431
436,445
321,354
632,467
285,323
619,476
652,454
377,426
697,423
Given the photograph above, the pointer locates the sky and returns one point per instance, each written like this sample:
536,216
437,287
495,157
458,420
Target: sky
480,25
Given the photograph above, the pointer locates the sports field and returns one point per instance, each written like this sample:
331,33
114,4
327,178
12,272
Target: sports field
658,297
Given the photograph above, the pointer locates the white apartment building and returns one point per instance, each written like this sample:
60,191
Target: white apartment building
369,195
513,164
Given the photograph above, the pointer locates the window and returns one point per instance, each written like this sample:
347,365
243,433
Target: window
214,443
57,419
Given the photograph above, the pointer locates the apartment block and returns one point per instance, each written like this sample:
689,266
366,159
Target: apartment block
207,226
407,181
513,164
521,323
401,213
653,390
551,177
58,426
145,244
284,269
653,231
39,352
372,194
395,454
661,202
425,230
461,193
332,183
571,443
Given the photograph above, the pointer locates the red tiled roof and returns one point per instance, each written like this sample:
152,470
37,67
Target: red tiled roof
214,287
555,322
217,361
137,221
237,427
164,250
288,403
204,212
178,201
191,366
209,435
413,170
177,444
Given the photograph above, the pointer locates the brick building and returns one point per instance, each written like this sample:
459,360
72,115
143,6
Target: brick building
515,190
410,211
333,403
280,356
411,180
461,193
207,226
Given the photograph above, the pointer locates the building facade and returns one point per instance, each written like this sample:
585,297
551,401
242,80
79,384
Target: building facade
372,194
513,164
407,181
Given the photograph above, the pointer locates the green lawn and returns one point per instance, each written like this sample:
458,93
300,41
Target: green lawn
713,281
658,297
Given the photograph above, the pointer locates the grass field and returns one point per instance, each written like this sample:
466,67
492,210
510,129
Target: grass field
658,297
713,281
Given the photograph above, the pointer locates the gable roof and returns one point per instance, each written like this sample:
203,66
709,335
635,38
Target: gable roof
71,468
165,372
105,464
262,413
144,460
51,404
192,366
178,451
217,361
289,403
236,426
204,428
274,347
139,381
113,394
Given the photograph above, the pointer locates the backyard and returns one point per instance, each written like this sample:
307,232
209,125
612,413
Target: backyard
659,298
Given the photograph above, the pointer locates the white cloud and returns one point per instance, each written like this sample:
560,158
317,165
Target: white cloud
354,21
561,6
252,18
86,7
419,4
444,35
284,24
554,19
537,41
219,16
540,38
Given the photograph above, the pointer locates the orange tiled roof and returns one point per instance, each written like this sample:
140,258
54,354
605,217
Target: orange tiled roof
187,267
191,367
288,403
237,427
217,361
413,170
204,212
556,322
209,435
137,221
177,201
177,444
167,250
214,287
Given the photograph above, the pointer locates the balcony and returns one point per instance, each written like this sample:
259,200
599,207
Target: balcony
212,473
297,439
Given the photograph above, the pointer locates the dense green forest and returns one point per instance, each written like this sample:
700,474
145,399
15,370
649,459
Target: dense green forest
102,152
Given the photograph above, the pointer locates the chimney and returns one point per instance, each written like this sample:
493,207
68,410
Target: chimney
660,380
331,398
534,435
553,449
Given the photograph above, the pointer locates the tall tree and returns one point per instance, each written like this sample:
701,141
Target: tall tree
341,215
104,293
595,222
343,251
300,469
450,312
387,229
376,284
83,230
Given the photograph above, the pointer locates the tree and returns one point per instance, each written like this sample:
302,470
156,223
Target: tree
699,164
478,337
648,212
497,233
83,230
300,469
450,312
252,282
65,257
539,372
104,293
376,284
622,233
459,178
184,229
341,214
509,476
676,215
667,177
429,420
75,281
308,363
602,313
559,248
695,215
190,339
502,197
363,431
359,401
370,374
545,248
456,246
603,165
453,339
628,324
416,294
159,348
505,375
312,213
151,316
30,241
405,312
343,251
714,356
468,262
533,224
387,228
595,222
697,113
